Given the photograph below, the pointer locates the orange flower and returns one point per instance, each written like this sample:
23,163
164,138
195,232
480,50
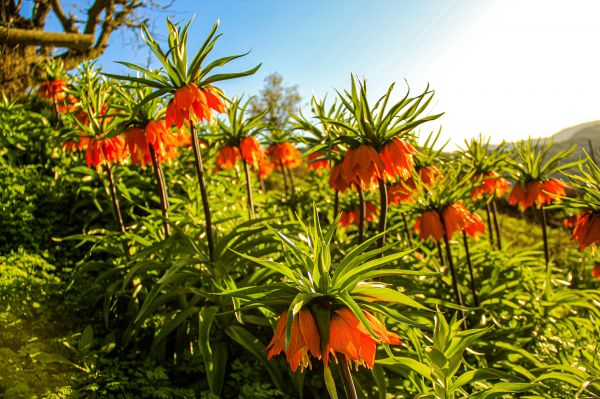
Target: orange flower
304,339
227,156
587,229
317,164
265,168
474,224
251,150
397,156
286,154
429,224
348,336
536,192
596,271
336,181
53,89
68,105
189,99
72,145
156,134
429,174
105,151
346,218
455,217
491,184
362,165
401,192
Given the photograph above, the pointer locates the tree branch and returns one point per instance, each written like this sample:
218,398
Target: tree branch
68,23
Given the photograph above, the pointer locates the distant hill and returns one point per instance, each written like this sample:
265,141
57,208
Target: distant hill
578,135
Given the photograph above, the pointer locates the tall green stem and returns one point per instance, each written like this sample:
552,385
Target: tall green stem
496,225
203,194
489,223
347,379
162,191
407,231
115,199
457,295
470,264
292,184
361,213
336,204
382,212
545,236
285,184
249,190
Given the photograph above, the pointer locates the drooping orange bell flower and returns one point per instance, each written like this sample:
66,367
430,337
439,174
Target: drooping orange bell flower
76,145
106,151
304,339
346,218
251,150
362,165
68,104
429,174
316,164
429,224
596,270
190,98
491,184
587,229
348,336
53,89
336,180
227,156
537,192
265,168
401,192
397,156
455,216
474,225
164,142
286,154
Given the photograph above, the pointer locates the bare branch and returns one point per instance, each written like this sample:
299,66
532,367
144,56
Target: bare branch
68,23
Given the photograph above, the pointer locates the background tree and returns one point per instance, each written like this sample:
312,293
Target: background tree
279,101
25,44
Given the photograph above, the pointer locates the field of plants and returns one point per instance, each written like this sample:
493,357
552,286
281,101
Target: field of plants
160,238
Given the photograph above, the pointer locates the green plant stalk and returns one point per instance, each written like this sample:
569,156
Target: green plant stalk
336,204
202,183
545,237
470,264
162,191
347,379
383,198
407,231
489,223
361,215
249,190
292,184
285,184
496,225
459,301
440,253
115,199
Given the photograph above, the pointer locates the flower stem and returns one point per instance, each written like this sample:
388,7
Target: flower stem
347,379
470,264
361,215
285,185
336,204
249,190
440,253
408,237
382,212
496,224
162,191
489,223
115,199
203,194
292,184
459,301
545,236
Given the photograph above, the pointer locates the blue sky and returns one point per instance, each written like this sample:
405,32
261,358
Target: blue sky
505,68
